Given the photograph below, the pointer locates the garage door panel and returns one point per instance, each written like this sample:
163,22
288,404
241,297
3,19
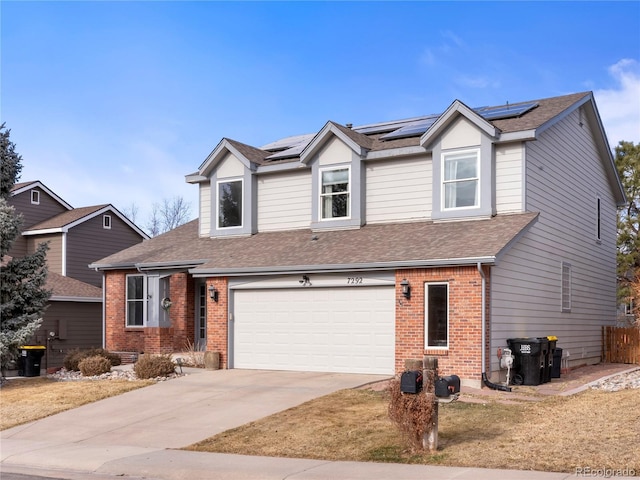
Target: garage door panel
317,329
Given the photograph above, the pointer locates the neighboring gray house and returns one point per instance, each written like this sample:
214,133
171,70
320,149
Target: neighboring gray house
353,249
76,237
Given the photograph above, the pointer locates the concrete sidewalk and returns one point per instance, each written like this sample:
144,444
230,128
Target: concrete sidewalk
134,435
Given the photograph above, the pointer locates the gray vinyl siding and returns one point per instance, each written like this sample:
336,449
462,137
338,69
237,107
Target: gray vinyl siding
284,201
564,178
81,323
509,175
89,241
31,215
205,209
54,254
399,190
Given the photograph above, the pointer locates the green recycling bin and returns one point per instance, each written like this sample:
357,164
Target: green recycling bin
30,360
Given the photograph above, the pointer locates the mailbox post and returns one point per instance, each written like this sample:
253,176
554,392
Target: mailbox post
430,374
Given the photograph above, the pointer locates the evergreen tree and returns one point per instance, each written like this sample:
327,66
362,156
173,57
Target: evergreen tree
23,298
627,157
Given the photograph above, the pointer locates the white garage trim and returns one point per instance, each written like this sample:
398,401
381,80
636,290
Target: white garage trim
323,329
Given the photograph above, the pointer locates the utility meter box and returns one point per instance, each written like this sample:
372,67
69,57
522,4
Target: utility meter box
411,381
447,386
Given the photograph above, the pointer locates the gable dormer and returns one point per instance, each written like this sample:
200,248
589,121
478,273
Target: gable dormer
462,142
228,195
338,178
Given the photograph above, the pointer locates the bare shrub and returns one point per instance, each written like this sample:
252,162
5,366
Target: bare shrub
75,356
152,366
194,357
412,413
95,365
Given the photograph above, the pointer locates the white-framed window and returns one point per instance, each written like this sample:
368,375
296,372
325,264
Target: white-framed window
436,315
566,287
461,179
230,199
335,190
35,197
136,300
598,219
106,222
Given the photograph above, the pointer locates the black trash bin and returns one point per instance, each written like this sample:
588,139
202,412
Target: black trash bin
529,360
547,358
552,351
30,360
557,363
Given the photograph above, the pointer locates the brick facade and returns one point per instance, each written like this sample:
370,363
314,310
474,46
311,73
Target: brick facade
462,357
120,338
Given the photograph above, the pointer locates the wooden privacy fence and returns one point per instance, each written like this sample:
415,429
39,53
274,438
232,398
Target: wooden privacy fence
621,345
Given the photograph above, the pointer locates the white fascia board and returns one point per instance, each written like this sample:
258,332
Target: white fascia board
46,231
298,269
63,298
39,184
455,109
218,153
319,140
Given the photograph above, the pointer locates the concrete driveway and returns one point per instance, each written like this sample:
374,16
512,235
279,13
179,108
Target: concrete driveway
170,414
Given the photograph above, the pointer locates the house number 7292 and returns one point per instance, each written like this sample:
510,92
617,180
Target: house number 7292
354,280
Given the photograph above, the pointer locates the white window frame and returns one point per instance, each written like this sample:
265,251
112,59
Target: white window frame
142,300
427,285
35,197
322,195
565,287
444,183
106,222
242,206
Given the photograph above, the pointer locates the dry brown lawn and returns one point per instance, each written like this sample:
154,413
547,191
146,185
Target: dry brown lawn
28,399
592,429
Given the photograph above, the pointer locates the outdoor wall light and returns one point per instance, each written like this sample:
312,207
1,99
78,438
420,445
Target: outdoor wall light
406,288
213,293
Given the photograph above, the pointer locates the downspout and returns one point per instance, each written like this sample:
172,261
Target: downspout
485,379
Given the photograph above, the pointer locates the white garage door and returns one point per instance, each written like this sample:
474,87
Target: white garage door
348,330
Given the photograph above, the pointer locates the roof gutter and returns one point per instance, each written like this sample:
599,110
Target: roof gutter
298,269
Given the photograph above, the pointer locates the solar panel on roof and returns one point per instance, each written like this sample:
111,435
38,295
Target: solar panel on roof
288,153
288,142
412,130
505,111
383,127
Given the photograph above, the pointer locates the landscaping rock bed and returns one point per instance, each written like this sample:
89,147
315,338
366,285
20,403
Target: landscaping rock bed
120,374
622,381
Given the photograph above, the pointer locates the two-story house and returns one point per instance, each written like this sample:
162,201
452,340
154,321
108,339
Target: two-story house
76,238
355,248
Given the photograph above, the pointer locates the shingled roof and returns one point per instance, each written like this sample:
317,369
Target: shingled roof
372,246
67,288
544,111
67,218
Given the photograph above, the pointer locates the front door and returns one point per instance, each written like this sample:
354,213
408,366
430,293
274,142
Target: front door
200,340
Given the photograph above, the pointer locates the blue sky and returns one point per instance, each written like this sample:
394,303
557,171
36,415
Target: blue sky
115,102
